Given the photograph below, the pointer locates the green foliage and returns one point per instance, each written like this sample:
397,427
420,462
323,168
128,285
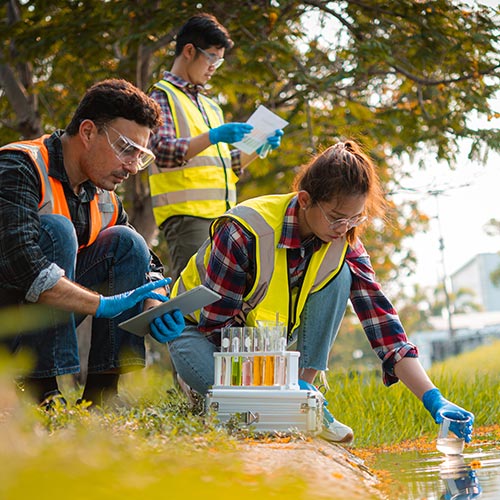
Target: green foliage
400,76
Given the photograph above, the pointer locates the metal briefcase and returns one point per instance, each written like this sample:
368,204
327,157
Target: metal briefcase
268,409
259,390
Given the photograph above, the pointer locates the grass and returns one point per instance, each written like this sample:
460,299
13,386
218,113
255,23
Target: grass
382,415
161,448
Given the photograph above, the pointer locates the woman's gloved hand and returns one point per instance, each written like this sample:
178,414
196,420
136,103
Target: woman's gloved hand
167,327
438,406
229,132
110,307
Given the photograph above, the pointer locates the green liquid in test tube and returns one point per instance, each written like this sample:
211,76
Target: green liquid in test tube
235,360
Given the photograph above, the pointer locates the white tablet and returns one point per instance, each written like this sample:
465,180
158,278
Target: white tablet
187,302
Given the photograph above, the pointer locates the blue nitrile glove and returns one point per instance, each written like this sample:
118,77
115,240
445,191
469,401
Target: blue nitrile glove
438,406
275,140
272,142
167,327
110,307
465,487
229,132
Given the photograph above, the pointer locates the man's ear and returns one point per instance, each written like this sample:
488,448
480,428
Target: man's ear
87,130
189,51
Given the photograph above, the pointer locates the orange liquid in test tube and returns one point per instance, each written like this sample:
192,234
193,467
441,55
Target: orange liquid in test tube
258,366
269,370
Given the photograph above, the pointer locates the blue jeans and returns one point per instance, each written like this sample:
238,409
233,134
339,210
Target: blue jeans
192,353
117,261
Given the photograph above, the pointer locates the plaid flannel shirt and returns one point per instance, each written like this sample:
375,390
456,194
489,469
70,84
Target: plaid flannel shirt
231,273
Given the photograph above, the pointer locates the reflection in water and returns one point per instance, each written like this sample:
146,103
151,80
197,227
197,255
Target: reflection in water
460,480
434,476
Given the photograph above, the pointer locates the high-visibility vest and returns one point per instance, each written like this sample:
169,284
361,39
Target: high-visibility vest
263,217
205,186
103,207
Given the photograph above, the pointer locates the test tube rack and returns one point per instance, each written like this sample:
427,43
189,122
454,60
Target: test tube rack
269,370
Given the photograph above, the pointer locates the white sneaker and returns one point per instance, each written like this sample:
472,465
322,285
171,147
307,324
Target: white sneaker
335,431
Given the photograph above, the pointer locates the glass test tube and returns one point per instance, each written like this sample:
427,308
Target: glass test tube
225,369
247,363
236,336
258,360
280,361
269,360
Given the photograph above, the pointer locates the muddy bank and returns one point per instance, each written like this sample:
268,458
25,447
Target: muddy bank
331,470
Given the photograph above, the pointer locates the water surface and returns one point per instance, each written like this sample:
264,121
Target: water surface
434,476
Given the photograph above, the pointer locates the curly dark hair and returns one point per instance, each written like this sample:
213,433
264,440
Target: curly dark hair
114,98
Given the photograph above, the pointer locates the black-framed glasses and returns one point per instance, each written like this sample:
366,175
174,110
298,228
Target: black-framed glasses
350,223
213,59
128,151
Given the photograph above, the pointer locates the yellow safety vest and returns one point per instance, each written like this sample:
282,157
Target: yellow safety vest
264,217
205,186
103,207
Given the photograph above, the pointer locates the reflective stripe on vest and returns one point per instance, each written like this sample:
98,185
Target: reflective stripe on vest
206,185
103,208
264,217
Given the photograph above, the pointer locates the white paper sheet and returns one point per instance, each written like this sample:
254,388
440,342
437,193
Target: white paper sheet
265,123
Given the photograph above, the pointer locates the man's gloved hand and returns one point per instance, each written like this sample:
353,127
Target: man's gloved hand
229,132
110,307
167,327
273,142
438,406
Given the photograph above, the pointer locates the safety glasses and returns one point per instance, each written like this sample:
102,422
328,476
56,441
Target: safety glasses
213,59
128,151
350,223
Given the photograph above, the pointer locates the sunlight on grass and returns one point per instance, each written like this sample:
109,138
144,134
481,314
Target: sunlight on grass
158,448
161,448
383,415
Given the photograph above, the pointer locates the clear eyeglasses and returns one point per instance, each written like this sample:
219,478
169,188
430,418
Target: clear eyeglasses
212,59
128,151
350,223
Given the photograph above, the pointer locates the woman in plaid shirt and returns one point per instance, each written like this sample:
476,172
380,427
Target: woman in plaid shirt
335,194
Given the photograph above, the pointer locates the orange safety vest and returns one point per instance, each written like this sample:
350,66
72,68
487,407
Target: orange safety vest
103,207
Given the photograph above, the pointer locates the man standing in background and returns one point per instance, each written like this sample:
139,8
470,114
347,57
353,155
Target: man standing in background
194,177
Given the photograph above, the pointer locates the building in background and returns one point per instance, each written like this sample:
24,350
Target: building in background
475,275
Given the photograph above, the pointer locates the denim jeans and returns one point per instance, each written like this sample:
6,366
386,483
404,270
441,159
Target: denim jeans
192,353
117,261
